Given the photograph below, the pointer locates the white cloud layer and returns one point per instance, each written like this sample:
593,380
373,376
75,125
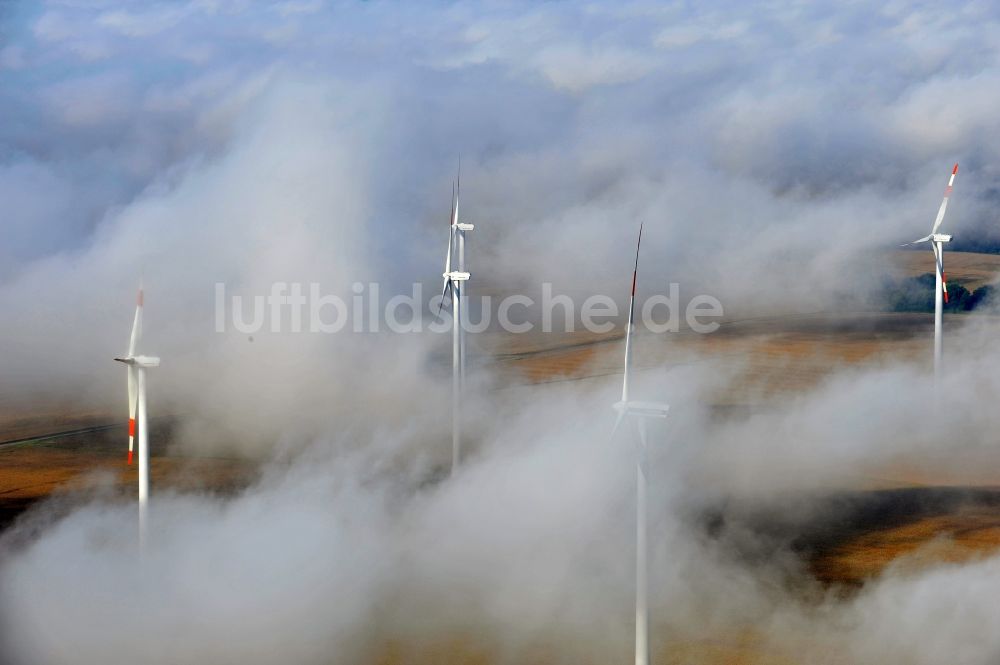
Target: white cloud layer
763,145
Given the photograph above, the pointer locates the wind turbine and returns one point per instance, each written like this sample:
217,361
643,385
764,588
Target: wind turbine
137,422
453,280
636,414
937,241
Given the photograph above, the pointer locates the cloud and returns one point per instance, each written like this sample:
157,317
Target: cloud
142,24
193,144
576,69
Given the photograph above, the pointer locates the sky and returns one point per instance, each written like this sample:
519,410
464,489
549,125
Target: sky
772,151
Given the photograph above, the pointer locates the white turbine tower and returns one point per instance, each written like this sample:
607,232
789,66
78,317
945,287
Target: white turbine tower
453,280
636,413
937,241
137,421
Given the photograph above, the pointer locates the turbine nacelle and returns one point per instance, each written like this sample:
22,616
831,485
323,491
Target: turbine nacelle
934,237
462,226
140,361
456,276
642,409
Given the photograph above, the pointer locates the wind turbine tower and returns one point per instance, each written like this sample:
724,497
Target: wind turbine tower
454,280
937,241
138,422
636,414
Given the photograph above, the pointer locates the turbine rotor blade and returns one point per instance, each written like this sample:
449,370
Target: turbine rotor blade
618,423
635,270
451,244
917,241
631,313
451,232
133,342
444,292
458,193
132,399
447,259
642,434
944,201
136,334
939,265
451,216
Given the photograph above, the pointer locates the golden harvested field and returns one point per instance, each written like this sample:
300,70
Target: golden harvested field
970,269
768,357
776,353
15,424
970,531
76,466
744,648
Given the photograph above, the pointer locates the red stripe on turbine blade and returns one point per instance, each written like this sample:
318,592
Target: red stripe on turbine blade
131,426
947,191
955,170
130,457
138,298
